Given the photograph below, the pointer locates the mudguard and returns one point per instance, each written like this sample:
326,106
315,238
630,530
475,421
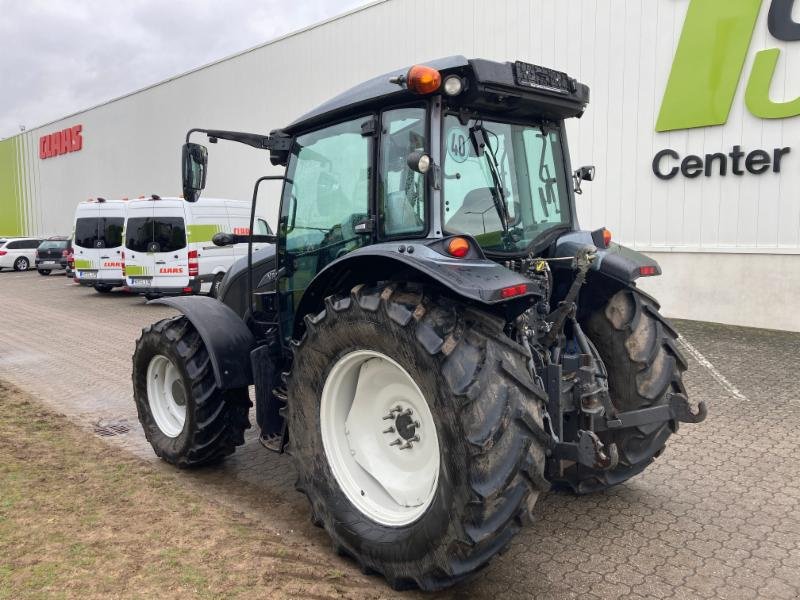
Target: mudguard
474,278
226,337
618,262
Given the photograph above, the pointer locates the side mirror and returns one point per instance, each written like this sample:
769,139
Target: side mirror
194,162
223,239
585,173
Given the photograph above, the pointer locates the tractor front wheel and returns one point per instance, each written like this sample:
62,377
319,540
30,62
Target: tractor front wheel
413,426
186,418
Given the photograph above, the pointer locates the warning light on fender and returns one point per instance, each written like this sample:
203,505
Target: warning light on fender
458,247
514,290
648,271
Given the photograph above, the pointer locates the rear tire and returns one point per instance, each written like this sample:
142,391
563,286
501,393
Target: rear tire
43,271
486,412
103,289
22,264
188,421
639,349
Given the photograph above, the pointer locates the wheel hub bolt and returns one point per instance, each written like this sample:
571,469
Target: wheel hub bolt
404,425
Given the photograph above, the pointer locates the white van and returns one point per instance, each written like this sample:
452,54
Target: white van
97,243
168,247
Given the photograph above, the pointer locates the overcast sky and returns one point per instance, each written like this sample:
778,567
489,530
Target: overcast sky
61,56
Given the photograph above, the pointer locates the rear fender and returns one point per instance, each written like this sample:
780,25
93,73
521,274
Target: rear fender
226,337
616,261
475,279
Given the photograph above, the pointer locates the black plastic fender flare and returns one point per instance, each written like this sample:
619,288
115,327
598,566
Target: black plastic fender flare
226,337
619,262
474,278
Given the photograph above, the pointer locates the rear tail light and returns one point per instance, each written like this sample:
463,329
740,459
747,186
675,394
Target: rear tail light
514,290
3,252
122,261
194,265
65,253
648,271
187,290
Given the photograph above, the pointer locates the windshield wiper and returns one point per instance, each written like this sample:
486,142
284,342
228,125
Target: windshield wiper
482,147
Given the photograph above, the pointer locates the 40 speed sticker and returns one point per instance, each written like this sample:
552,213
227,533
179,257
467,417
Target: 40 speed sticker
459,148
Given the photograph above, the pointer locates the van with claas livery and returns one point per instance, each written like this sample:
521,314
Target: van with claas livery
97,243
169,248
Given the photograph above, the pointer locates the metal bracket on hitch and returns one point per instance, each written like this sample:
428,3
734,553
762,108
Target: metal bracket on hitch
677,409
588,451
682,410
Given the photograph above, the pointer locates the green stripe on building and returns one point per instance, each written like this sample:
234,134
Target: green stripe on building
12,219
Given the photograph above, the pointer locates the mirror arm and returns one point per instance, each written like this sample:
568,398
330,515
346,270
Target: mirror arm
577,185
262,142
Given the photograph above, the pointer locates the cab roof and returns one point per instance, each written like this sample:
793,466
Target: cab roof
491,86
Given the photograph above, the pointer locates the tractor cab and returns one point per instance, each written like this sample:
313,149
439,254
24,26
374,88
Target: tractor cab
464,159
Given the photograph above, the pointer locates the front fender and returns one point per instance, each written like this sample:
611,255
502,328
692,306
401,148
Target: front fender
226,337
476,279
616,261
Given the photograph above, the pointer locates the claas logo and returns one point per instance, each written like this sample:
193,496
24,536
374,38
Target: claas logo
112,265
170,270
241,231
714,44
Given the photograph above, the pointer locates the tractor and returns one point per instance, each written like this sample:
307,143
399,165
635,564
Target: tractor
430,335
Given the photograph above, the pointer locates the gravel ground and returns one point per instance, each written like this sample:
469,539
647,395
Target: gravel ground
716,516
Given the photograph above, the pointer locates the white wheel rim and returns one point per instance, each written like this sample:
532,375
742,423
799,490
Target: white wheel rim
166,395
384,458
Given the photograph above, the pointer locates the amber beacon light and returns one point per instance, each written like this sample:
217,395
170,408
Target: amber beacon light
423,80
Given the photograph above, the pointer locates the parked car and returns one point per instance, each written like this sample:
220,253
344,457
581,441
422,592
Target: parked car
168,247
70,272
51,255
18,253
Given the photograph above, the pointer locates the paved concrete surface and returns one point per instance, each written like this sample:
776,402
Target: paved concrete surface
717,516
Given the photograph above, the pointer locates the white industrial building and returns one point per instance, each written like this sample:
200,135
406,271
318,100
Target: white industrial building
729,245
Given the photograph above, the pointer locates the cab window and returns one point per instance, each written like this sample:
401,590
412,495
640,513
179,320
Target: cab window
325,197
401,190
521,167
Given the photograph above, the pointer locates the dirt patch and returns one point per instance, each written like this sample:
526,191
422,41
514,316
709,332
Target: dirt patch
81,519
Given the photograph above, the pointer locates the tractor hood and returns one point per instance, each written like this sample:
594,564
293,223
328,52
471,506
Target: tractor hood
519,90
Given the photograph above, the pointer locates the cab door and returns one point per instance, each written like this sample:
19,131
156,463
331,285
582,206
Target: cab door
327,193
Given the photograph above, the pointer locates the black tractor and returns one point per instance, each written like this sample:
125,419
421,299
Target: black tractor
430,335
